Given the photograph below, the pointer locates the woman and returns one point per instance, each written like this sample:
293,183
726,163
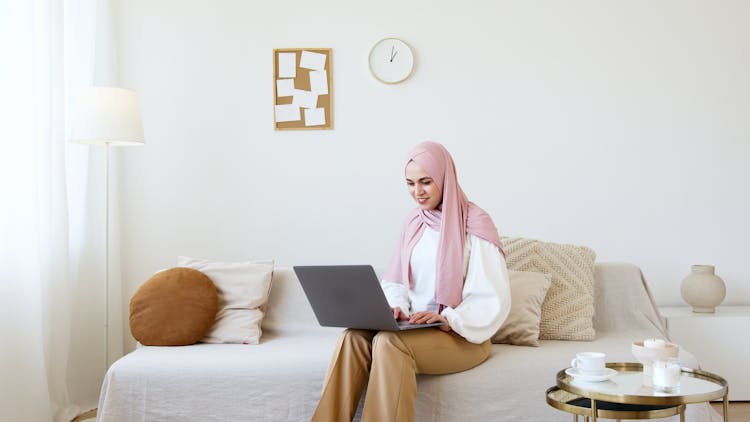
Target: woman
448,267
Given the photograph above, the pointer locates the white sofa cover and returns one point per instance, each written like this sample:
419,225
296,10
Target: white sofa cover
280,378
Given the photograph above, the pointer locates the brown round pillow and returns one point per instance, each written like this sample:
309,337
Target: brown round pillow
175,307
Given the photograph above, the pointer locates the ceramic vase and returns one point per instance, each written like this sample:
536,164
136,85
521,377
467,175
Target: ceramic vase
703,289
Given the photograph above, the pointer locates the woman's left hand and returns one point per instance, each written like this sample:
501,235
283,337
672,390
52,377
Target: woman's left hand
428,317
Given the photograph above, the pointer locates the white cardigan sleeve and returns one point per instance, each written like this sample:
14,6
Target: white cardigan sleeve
486,294
397,295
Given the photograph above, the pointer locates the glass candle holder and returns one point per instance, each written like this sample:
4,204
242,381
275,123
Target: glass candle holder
666,376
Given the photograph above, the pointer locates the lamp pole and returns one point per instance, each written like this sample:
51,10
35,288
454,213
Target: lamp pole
106,257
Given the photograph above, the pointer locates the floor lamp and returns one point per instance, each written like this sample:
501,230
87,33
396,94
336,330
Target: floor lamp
107,116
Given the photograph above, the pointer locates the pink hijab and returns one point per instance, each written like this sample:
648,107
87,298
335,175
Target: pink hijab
455,217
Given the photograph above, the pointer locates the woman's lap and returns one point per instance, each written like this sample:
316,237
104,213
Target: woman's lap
437,352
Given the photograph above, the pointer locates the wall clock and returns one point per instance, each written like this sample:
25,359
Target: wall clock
391,60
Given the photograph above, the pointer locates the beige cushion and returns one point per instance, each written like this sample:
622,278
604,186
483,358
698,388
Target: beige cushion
243,291
175,307
568,309
527,291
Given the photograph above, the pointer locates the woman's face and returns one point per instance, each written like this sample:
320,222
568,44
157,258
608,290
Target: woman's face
422,188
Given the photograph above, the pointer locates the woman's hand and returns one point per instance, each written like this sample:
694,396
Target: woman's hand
428,317
398,314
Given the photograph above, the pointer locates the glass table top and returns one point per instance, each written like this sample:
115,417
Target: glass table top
627,386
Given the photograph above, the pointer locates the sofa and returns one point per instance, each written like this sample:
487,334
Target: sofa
280,379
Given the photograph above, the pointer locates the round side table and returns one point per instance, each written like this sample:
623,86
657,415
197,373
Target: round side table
626,388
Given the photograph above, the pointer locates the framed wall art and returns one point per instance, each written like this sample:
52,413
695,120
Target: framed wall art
302,88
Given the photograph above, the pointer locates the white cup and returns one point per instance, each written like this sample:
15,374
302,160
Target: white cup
589,362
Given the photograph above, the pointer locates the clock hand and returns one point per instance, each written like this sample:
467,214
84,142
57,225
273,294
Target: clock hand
392,55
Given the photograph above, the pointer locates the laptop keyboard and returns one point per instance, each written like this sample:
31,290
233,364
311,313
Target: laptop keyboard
404,324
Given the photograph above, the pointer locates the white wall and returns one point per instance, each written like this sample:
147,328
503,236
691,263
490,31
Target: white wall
621,125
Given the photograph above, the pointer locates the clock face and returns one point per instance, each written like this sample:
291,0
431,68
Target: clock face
391,60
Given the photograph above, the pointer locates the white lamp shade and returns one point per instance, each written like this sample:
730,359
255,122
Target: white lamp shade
107,115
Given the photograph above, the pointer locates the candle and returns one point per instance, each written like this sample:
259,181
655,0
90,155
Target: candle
654,343
666,375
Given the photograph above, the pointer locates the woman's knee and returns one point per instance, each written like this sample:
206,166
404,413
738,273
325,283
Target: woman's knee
388,340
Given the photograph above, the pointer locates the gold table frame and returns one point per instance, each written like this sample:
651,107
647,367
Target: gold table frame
674,401
565,401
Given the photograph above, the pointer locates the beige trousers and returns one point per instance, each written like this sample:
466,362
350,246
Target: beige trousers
391,360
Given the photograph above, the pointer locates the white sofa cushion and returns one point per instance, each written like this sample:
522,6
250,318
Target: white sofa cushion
243,289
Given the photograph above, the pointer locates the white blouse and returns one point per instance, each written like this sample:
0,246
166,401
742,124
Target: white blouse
486,294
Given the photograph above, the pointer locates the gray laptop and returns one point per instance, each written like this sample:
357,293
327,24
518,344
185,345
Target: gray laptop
349,296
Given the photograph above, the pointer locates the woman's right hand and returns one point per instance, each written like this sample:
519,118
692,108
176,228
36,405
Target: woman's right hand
399,314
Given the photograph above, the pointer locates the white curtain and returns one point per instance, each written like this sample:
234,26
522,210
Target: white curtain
51,239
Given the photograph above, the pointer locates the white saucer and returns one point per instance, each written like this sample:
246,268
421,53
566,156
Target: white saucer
588,377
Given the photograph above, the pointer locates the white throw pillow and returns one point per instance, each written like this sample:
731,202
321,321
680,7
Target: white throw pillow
243,289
